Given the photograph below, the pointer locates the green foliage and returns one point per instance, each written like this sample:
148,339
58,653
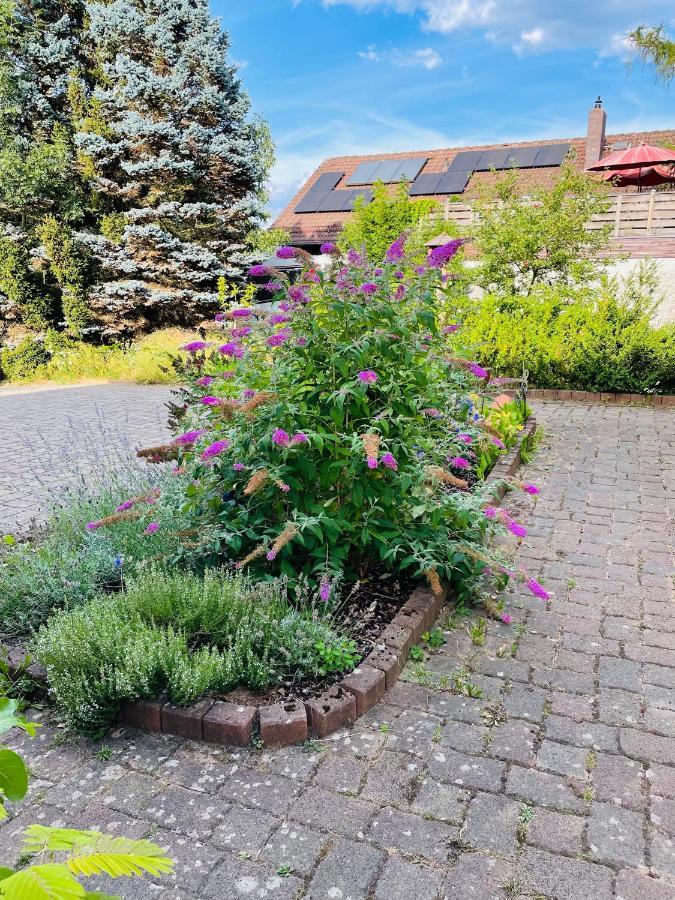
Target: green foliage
69,263
112,226
266,240
434,639
655,47
13,771
592,339
68,564
522,245
183,635
374,226
340,657
24,360
317,506
18,283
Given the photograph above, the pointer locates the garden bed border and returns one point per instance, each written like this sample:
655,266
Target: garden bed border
293,722
618,399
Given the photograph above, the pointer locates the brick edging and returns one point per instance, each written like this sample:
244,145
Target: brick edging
609,397
292,722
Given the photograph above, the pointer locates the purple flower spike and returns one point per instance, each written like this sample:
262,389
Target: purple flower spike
465,438
367,376
189,438
498,443
123,507
215,449
220,317
278,319
301,342
537,589
440,256
450,329
280,437
271,555
368,288
276,340
389,461
477,371
506,618
286,253
238,467
372,462
210,401
324,589
204,381
396,250
299,438
328,247
231,349
92,526
258,271
531,488
490,512
242,312
152,528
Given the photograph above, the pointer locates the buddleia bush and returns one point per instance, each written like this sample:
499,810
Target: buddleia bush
340,432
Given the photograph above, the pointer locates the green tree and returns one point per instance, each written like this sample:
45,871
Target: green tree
374,226
69,264
523,243
656,48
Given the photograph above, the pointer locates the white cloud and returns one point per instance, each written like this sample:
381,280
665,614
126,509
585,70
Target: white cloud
427,57
527,24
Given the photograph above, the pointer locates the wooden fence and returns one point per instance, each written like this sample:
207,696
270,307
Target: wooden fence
648,213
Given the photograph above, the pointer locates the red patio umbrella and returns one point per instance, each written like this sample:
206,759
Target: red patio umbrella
649,177
635,160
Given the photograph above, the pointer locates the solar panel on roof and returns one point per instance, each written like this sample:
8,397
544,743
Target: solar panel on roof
326,181
333,202
386,170
491,159
363,174
465,160
350,201
425,184
552,155
310,202
409,168
453,182
521,157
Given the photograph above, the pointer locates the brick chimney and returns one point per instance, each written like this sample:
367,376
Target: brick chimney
595,137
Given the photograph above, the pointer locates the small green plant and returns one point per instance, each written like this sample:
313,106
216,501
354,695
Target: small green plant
340,657
478,632
103,753
436,734
245,854
284,871
525,816
416,653
462,684
384,728
313,746
434,638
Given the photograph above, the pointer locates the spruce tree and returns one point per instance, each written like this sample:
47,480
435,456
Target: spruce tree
176,163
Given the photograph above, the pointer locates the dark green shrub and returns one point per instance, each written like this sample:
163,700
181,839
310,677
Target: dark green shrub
24,360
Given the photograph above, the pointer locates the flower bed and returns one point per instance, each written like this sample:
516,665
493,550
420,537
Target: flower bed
343,436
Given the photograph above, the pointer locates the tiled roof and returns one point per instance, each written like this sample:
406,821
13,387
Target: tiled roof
317,227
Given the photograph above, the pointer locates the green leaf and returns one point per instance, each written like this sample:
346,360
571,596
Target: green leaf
5,872
50,881
13,775
10,719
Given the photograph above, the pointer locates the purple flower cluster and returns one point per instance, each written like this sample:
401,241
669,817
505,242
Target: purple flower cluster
537,589
450,329
231,349
278,338
204,381
152,528
242,312
441,256
327,247
477,371
278,319
368,288
195,346
259,270
189,438
210,400
367,376
458,462
241,332
396,250
389,461
215,449
286,253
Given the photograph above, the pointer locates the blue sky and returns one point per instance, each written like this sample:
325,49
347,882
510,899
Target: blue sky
336,77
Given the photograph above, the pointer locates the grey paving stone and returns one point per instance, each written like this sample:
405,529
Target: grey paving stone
412,835
235,877
349,869
554,831
244,829
440,801
466,771
193,860
662,814
560,877
401,880
542,789
615,835
583,734
458,707
618,780
476,876
619,673
648,747
295,846
131,793
616,707
491,824
189,812
393,779
272,793
337,813
661,779
632,885
563,759
513,741
341,773
525,702
296,763
662,853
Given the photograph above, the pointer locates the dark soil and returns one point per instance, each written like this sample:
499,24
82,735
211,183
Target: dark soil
368,607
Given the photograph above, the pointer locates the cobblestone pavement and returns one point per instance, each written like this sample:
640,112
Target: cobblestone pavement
558,783
51,436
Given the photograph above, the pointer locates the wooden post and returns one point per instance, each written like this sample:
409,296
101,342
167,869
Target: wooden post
650,212
617,215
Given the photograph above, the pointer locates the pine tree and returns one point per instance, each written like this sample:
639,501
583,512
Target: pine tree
176,163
